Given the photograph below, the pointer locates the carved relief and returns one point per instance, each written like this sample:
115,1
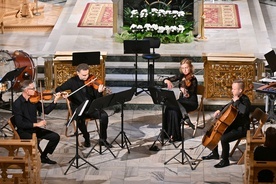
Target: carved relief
219,75
63,70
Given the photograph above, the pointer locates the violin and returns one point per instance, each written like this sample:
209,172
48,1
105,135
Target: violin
45,95
95,83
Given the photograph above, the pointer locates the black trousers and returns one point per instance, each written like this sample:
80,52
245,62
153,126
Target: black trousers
229,136
42,133
102,115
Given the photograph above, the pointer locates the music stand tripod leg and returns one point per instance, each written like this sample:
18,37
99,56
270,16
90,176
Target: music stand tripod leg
2,129
124,138
162,133
100,142
77,156
183,153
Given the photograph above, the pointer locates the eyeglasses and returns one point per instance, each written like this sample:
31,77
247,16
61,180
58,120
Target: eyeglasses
30,88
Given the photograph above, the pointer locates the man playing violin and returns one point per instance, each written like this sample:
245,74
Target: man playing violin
238,127
86,92
27,123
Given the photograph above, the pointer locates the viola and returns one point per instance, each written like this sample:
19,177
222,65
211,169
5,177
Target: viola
213,135
95,82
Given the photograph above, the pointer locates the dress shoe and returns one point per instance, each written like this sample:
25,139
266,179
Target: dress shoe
222,163
210,156
106,144
187,121
46,160
87,144
154,148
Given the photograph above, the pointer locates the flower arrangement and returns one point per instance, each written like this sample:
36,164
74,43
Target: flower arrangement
169,25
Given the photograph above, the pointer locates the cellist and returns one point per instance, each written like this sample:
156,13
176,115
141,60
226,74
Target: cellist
237,129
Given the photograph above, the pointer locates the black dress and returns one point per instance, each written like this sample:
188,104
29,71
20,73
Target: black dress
173,115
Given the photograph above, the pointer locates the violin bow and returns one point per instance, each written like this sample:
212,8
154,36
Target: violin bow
42,103
82,87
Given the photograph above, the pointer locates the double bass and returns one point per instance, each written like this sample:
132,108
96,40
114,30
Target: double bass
226,118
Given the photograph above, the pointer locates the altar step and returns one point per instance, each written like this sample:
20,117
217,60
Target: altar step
120,76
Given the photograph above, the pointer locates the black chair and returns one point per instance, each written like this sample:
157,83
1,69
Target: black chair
154,43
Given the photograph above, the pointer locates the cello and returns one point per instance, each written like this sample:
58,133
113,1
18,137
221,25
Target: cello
226,118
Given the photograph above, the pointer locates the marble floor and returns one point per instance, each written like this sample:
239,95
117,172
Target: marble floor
257,35
139,165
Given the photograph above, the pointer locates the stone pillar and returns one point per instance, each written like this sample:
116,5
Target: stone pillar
117,16
196,16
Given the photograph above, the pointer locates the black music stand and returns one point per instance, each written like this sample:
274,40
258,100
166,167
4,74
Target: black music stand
76,115
194,163
137,47
271,60
10,76
97,105
90,58
121,98
167,98
164,98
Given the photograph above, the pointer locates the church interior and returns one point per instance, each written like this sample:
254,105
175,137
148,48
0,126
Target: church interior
42,35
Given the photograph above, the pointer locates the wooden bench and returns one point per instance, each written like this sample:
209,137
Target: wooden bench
2,22
253,167
29,156
21,169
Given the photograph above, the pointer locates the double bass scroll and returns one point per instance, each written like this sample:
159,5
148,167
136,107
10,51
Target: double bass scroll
213,135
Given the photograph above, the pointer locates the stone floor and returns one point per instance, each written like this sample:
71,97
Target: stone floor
257,35
140,165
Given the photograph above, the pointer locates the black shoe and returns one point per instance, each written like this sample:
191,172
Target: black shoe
187,121
210,156
154,148
222,163
46,160
87,144
106,144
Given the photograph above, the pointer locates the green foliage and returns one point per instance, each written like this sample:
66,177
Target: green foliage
169,25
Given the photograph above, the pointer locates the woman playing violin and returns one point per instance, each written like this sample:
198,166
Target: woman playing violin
187,99
25,115
238,127
86,92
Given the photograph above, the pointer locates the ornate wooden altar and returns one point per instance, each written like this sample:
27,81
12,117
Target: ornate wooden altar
63,69
220,70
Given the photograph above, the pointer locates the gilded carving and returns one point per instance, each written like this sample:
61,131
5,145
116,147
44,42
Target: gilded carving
63,69
219,75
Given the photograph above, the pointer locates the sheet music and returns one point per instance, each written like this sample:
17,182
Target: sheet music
268,80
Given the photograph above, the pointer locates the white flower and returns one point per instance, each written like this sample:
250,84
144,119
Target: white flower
180,29
133,26
161,29
155,27
134,12
144,13
154,10
181,14
148,27
140,27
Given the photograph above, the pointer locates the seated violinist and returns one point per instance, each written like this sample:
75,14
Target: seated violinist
25,115
86,93
238,127
187,84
